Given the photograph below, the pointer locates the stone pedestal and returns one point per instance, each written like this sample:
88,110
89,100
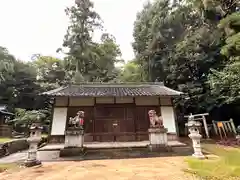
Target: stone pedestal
74,139
158,139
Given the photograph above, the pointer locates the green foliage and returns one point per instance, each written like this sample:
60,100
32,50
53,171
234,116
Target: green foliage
225,83
179,44
88,60
18,86
24,117
131,72
6,64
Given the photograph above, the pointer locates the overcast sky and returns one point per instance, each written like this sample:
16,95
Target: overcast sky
38,26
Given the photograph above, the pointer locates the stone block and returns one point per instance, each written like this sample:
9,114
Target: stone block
159,148
72,151
74,141
74,137
158,136
158,139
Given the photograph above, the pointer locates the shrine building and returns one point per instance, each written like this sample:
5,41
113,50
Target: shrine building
113,112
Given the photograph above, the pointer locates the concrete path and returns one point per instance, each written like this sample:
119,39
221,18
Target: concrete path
103,145
22,156
51,152
16,157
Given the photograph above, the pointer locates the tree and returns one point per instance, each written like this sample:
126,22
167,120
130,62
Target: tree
18,85
225,83
6,64
51,72
131,72
83,21
179,44
24,118
109,53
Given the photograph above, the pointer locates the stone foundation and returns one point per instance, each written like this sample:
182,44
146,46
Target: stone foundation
72,151
57,139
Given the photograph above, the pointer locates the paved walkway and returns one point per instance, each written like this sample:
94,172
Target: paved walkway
103,145
21,157
51,152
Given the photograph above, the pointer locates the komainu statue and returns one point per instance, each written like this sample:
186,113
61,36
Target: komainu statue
78,120
155,121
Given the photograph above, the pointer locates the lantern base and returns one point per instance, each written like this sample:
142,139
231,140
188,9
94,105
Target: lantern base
31,163
199,156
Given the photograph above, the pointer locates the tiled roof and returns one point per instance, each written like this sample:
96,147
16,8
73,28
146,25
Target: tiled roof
3,110
120,89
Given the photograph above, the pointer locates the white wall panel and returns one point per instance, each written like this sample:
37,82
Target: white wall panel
59,121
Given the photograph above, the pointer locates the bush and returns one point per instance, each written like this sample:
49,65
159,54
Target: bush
43,141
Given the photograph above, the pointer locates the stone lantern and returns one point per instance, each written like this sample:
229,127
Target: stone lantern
194,127
34,139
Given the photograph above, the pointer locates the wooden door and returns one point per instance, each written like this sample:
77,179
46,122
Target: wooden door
114,123
107,120
127,125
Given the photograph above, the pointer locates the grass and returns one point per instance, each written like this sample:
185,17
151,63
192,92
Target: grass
3,140
9,166
225,166
45,135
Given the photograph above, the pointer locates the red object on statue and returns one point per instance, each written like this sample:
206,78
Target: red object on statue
81,121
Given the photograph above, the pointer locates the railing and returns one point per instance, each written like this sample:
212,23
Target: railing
224,127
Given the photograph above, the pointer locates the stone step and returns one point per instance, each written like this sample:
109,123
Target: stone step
182,149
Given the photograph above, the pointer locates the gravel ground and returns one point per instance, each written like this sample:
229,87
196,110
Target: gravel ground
159,168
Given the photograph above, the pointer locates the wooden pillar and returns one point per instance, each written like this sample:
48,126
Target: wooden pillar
205,126
134,118
229,126
233,126
52,112
94,119
224,131
215,127
225,127
176,118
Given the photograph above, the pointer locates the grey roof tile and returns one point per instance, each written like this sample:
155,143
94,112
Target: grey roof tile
120,89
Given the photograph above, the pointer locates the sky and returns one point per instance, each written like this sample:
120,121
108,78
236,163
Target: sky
38,26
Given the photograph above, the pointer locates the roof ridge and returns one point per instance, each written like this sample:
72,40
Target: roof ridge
119,83
55,90
174,91
114,89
